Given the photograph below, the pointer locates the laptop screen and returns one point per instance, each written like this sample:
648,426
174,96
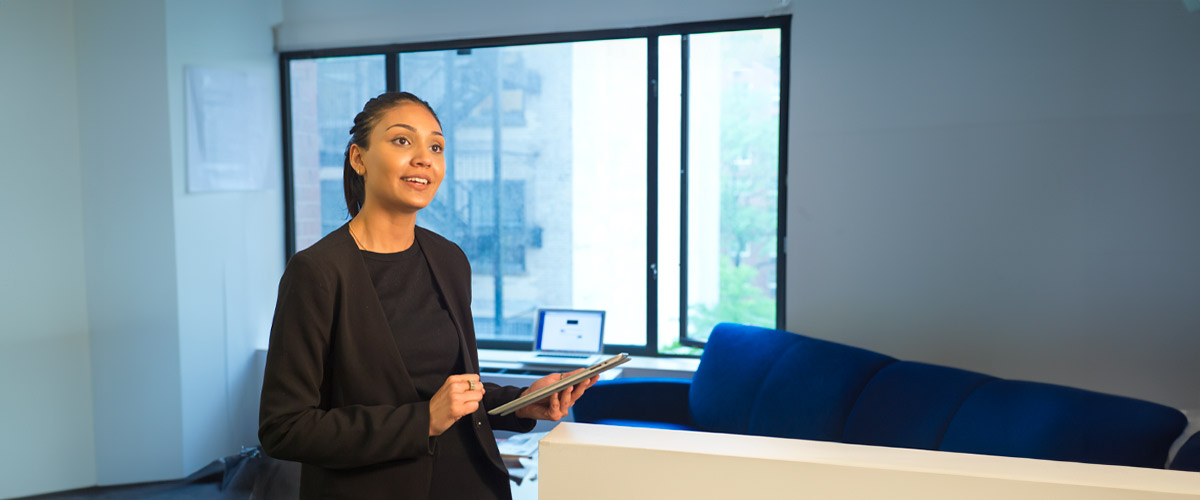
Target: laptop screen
570,331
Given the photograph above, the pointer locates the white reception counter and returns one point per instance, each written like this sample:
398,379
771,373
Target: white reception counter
584,461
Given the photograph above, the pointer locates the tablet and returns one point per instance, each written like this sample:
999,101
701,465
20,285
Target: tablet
540,394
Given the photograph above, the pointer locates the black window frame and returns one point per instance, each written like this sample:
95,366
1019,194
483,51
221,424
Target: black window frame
391,53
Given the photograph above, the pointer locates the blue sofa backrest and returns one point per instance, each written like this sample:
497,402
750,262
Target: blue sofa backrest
1188,457
1034,420
767,382
910,405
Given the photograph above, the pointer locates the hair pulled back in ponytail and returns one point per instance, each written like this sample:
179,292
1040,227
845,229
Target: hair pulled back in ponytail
360,134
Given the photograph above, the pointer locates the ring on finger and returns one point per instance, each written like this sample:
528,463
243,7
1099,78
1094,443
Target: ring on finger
470,385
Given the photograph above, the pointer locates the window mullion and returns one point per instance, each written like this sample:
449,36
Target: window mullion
652,194
289,197
785,35
683,190
391,71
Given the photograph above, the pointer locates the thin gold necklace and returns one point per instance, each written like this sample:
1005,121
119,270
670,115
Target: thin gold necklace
356,242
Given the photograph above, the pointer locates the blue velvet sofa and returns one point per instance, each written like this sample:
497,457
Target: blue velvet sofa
774,383
1188,456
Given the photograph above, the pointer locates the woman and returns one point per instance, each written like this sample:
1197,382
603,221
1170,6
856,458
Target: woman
372,372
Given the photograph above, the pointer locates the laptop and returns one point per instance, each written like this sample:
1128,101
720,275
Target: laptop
569,337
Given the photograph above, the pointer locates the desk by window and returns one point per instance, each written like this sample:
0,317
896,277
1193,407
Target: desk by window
522,363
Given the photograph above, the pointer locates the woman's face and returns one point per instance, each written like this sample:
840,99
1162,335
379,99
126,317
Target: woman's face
405,159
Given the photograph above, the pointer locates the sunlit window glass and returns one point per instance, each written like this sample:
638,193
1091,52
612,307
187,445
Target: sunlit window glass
732,179
545,178
325,93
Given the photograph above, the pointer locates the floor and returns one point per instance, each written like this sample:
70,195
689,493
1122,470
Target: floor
147,491
250,475
170,490
527,490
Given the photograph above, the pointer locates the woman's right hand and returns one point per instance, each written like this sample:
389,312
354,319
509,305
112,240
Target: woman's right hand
453,401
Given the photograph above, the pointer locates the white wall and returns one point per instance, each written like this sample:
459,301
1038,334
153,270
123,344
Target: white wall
45,374
320,24
1007,187
129,239
1010,187
186,280
123,285
229,245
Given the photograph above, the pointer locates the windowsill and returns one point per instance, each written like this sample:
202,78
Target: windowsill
638,366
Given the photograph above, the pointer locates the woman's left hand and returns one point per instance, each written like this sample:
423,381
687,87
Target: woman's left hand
555,406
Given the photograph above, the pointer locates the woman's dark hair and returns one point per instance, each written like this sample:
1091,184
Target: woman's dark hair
360,134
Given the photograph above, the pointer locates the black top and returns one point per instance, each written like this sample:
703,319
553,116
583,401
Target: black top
429,346
417,314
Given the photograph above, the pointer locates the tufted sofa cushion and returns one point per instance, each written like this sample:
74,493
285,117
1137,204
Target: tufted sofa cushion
910,405
1188,457
1035,420
766,382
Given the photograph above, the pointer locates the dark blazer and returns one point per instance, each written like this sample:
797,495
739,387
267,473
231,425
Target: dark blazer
336,395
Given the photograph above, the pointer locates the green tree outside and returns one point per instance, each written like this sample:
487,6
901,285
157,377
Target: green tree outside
749,184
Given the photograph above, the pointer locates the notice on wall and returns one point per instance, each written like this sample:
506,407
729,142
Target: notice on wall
227,129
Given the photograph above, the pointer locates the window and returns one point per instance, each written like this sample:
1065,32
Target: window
324,94
634,171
